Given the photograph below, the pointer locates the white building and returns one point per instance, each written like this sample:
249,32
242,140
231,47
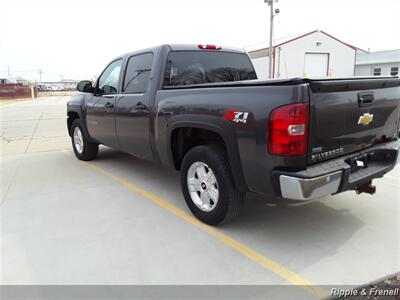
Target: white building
378,63
315,54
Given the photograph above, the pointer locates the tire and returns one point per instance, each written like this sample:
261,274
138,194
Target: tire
83,148
196,165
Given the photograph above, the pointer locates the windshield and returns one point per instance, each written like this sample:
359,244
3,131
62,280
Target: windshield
196,67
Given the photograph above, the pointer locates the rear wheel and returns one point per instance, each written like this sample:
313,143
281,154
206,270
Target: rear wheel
83,148
207,185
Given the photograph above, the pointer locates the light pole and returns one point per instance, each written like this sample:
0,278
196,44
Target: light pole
271,32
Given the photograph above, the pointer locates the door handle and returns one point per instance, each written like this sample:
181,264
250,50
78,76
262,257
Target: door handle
365,99
140,106
108,105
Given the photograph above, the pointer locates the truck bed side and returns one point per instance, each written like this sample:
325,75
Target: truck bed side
206,107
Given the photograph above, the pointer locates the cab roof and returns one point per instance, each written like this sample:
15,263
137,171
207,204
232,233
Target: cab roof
183,47
191,47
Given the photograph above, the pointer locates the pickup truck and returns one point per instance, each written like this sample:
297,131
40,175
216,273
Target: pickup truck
201,110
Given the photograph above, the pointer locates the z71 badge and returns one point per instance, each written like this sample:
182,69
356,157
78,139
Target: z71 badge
236,116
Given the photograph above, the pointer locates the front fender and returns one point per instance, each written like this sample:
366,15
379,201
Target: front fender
77,105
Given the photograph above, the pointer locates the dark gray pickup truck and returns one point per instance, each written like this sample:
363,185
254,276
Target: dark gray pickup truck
200,110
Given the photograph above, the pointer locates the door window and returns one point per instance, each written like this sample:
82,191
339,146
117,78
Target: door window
137,73
108,81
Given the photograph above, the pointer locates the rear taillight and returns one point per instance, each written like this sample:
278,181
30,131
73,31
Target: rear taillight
209,47
288,130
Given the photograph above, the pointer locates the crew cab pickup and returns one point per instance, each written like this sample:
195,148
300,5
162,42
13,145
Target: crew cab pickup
200,109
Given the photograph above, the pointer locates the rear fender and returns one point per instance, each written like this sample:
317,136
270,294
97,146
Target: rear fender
219,126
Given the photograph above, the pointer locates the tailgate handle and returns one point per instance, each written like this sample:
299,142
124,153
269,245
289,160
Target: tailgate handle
365,99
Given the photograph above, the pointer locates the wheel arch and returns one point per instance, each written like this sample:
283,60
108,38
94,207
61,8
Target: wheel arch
74,113
71,117
222,129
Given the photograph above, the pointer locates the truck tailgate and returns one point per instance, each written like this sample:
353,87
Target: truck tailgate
347,115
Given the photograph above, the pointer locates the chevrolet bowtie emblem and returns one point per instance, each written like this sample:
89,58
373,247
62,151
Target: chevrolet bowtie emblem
365,119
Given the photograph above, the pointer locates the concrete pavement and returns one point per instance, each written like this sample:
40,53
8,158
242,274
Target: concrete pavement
67,222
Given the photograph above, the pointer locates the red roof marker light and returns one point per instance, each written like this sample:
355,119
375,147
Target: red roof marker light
209,47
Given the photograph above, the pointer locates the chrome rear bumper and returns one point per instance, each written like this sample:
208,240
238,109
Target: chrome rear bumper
338,175
309,188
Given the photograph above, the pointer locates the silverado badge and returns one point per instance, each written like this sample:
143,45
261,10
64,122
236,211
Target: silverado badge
365,119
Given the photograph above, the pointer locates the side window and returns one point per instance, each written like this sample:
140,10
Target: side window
394,71
108,81
137,73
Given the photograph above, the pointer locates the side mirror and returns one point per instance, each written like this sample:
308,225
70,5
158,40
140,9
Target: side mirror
108,89
85,86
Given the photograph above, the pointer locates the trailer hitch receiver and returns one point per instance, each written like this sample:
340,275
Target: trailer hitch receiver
367,187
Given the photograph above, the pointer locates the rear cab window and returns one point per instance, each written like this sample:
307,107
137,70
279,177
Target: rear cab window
200,67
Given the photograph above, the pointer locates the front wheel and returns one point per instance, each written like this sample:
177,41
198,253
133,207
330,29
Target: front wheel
208,186
83,148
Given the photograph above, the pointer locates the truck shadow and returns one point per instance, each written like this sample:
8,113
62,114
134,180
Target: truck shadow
312,232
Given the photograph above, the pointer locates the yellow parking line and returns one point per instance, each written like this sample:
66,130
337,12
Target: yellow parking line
392,177
248,252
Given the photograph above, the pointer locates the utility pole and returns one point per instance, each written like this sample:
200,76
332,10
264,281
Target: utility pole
8,71
271,32
40,74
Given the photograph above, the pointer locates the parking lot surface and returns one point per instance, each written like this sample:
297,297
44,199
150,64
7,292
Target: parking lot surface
123,220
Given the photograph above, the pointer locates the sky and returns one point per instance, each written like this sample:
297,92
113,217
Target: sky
75,39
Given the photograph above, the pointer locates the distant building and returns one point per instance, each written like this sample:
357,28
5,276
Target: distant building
314,54
378,63
69,84
64,85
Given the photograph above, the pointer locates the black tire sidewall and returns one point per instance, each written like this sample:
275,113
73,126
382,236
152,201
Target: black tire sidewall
85,155
215,158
